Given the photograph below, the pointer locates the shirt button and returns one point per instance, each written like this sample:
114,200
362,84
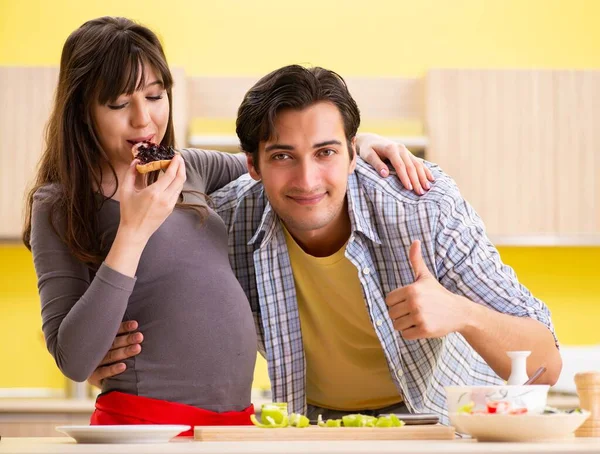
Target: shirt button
399,373
366,270
379,322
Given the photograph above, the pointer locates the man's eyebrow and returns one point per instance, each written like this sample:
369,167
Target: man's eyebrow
327,142
278,146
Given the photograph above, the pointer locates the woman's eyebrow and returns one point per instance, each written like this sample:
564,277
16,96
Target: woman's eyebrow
156,82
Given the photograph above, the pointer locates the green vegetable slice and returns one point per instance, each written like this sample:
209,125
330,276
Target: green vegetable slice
269,423
329,422
273,415
276,410
358,420
389,421
396,422
298,420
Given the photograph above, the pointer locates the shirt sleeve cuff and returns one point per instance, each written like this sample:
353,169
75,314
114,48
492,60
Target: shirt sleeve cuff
115,279
541,317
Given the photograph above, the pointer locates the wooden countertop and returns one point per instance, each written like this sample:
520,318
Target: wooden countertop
67,446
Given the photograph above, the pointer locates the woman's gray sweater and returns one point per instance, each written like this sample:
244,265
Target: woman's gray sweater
199,343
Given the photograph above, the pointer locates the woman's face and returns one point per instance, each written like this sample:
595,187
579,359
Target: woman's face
130,119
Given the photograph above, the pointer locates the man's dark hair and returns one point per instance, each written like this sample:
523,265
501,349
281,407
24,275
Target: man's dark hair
292,87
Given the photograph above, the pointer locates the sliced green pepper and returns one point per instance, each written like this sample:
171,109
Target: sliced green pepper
298,420
329,422
275,410
383,421
358,420
269,423
389,421
273,415
396,422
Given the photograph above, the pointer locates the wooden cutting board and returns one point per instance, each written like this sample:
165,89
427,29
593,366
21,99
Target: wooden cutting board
253,433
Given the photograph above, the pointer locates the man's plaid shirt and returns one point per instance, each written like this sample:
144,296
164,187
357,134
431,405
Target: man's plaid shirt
385,219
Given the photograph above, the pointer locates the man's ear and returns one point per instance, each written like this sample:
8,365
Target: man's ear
252,170
354,154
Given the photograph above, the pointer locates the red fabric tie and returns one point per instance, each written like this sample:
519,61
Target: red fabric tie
120,408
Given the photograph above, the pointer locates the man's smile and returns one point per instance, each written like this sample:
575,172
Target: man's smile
310,199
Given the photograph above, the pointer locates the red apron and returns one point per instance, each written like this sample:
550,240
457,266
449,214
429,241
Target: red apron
116,407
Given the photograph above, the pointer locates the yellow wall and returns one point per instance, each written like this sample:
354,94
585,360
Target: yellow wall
26,362
374,37
565,278
366,37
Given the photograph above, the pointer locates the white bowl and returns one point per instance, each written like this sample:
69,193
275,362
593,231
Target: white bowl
526,427
532,397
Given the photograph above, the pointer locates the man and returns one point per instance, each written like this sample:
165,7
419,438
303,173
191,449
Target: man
367,297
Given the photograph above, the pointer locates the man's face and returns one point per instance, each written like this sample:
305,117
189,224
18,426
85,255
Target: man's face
304,168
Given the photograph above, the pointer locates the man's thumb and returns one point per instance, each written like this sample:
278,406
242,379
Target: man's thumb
416,261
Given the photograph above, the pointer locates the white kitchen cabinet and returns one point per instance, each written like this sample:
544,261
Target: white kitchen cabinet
523,147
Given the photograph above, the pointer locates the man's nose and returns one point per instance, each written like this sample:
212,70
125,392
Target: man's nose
308,175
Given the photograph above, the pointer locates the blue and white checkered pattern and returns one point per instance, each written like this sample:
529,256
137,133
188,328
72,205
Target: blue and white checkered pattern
385,219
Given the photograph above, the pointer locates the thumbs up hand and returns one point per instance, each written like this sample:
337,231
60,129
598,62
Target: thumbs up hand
425,309
417,263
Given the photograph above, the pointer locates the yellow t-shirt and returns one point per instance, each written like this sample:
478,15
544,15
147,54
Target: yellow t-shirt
345,365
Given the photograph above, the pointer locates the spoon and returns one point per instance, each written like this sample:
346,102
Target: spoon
537,374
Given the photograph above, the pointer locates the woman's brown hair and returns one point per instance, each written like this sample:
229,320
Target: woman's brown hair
101,60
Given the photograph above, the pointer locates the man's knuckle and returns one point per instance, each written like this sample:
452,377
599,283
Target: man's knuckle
413,306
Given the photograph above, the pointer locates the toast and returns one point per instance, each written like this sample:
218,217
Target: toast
152,156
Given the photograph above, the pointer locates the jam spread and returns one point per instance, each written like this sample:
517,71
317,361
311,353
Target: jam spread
149,152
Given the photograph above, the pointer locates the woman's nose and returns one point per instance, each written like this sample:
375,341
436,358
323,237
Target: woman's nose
140,117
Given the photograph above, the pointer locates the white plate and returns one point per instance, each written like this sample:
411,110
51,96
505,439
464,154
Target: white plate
503,427
151,433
